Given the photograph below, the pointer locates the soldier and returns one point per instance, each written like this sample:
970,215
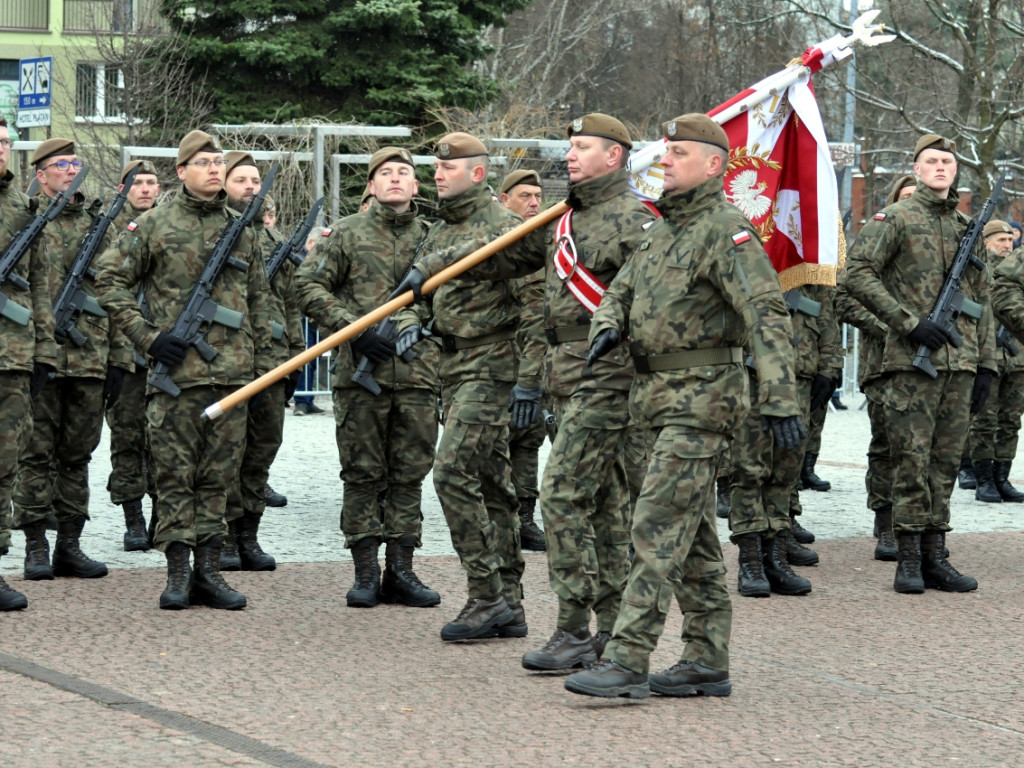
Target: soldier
385,439
701,268
195,461
896,269
30,354
129,477
265,418
67,416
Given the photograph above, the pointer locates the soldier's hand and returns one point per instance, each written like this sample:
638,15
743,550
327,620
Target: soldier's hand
604,342
982,388
112,386
291,384
821,390
524,405
408,337
41,373
788,431
168,349
930,334
374,346
413,281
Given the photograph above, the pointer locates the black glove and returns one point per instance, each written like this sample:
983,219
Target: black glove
413,281
408,337
41,373
788,431
112,386
982,388
929,334
524,405
374,346
604,342
168,349
821,390
291,384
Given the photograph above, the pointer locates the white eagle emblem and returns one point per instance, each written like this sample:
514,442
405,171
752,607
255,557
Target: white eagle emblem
443,150
670,129
577,125
745,192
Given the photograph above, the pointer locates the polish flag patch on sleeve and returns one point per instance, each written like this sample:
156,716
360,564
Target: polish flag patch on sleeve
132,226
880,216
740,237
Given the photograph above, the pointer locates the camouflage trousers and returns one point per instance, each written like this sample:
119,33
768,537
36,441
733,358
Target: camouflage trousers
523,448
584,501
195,461
637,454
815,422
995,428
878,478
793,460
473,480
53,469
928,422
385,444
677,553
263,436
130,474
15,425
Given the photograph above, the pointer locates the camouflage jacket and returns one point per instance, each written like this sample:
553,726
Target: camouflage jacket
871,344
701,280
529,294
816,339
896,268
165,252
21,346
353,271
286,331
106,345
1008,296
1007,363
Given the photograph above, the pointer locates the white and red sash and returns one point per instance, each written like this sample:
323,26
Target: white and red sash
587,289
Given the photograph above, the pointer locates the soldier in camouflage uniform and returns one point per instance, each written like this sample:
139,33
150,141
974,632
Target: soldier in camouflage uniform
701,269
29,354
195,460
385,439
129,478
67,417
896,269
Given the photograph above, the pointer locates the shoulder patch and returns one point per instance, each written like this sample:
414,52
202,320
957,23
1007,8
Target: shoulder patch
647,225
880,216
132,226
326,232
740,237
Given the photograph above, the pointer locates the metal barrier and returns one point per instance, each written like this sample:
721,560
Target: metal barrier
316,376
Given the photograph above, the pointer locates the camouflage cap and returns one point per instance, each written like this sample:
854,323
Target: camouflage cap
521,176
598,124
934,141
910,180
388,154
52,147
144,166
695,127
196,141
996,227
458,144
235,158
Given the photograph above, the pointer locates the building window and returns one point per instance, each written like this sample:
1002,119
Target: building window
99,93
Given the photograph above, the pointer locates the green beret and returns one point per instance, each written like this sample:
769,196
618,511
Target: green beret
605,126
910,180
388,154
521,176
52,147
144,166
367,195
934,141
458,144
695,127
235,158
996,227
196,141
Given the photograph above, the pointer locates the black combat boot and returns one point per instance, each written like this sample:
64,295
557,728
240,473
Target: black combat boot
516,626
10,599
937,571
230,560
208,586
600,641
609,680
688,678
567,649
179,577
908,580
249,550
886,549
480,617
151,528
752,581
965,476
68,557
365,592
135,537
37,552
809,478
1001,476
986,490
797,553
399,583
722,503
780,576
800,533
272,498
531,537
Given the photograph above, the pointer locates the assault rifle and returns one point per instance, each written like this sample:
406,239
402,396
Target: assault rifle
19,246
200,310
797,302
951,302
72,300
292,249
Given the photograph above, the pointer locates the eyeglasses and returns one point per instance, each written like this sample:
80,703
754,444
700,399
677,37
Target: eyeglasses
218,163
6,143
63,165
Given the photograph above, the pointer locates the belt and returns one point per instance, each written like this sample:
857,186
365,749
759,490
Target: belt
452,343
565,333
686,358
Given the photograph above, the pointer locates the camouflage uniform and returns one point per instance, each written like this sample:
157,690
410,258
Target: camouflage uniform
524,444
690,274
1007,303
195,460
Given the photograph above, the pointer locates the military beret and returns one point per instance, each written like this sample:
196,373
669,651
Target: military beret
388,154
695,127
910,180
52,147
458,144
1015,225
144,166
235,158
521,176
996,227
367,195
934,141
598,124
196,141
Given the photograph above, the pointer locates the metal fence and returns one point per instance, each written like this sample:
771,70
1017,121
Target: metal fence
316,376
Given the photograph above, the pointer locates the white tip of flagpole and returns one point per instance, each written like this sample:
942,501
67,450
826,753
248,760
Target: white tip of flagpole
213,412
